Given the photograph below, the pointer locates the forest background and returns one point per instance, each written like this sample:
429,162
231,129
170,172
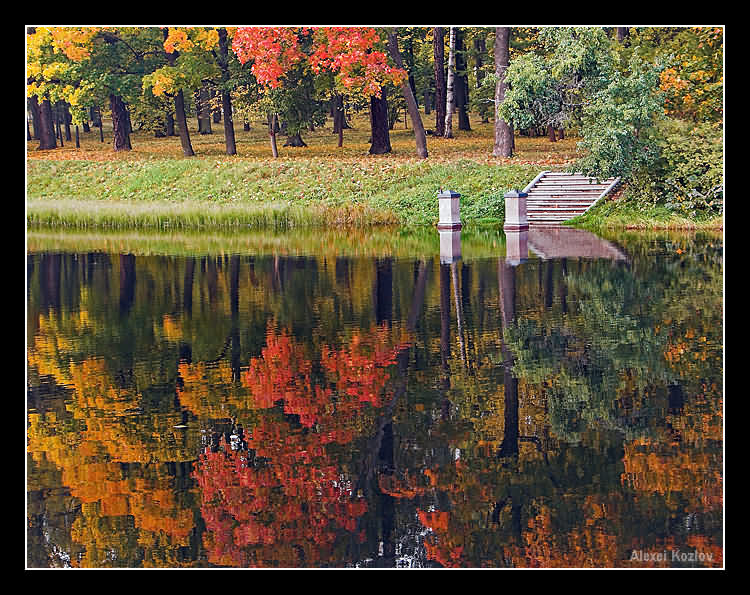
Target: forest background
166,127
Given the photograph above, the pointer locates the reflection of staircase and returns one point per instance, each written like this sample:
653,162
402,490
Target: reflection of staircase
554,197
562,241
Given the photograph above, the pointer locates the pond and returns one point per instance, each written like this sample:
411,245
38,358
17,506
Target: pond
374,399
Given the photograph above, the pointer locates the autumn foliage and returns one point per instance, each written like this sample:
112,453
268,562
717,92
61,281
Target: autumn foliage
348,52
286,499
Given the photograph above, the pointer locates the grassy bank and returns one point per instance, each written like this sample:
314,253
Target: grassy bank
154,187
618,214
206,192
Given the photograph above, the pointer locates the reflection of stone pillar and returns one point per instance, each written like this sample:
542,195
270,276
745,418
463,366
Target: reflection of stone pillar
450,246
515,211
449,208
516,247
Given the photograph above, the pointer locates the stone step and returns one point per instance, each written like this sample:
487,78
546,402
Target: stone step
555,197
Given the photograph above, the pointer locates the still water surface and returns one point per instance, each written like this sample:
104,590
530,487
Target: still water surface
375,400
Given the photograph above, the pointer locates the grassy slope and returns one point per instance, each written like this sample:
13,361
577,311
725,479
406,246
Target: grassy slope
153,186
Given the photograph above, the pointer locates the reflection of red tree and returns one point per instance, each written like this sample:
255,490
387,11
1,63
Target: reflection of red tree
358,369
288,512
289,505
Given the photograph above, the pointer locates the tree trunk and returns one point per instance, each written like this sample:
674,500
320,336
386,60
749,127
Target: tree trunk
169,124
34,109
503,133
226,99
380,138
560,133
337,106
78,141
551,133
480,49
179,107
450,98
67,119
295,140
203,108
46,127
272,135
461,83
179,110
215,110
121,138
95,116
419,134
438,51
57,124
229,140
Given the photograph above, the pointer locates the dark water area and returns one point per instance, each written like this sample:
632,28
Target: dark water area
476,400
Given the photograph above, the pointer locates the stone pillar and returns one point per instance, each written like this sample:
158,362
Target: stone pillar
515,211
448,203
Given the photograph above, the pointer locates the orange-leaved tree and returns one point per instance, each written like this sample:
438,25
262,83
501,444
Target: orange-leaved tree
349,56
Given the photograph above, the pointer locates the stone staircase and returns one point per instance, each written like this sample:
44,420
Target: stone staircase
554,197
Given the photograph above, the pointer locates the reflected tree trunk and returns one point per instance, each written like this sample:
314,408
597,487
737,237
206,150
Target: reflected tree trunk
127,282
445,325
459,312
418,298
383,290
187,287
507,288
234,301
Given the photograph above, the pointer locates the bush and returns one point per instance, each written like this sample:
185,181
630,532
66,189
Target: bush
688,177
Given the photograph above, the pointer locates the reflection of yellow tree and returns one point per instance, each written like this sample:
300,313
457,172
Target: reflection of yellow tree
207,390
89,447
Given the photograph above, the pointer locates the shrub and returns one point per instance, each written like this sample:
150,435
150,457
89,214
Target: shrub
688,177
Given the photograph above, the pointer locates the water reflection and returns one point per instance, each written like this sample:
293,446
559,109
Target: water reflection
516,247
554,404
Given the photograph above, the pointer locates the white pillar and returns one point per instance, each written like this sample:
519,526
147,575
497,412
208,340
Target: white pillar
449,208
515,211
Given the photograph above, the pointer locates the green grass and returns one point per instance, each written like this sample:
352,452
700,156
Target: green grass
209,192
154,187
619,215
